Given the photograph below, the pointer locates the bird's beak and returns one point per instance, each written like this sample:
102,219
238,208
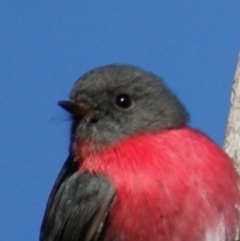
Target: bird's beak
80,109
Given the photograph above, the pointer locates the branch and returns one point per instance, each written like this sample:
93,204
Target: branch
232,137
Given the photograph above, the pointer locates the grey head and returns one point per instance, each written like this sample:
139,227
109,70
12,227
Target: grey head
113,102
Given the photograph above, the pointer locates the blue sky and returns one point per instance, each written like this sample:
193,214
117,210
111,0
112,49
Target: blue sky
46,45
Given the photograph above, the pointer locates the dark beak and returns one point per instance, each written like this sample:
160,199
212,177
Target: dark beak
80,109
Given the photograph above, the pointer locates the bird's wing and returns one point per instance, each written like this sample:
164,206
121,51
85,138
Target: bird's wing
69,168
77,206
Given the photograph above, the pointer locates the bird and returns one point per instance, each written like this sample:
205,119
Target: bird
136,169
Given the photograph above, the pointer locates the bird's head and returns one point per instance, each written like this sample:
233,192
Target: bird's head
110,103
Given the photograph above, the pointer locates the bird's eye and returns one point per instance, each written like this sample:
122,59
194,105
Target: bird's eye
123,101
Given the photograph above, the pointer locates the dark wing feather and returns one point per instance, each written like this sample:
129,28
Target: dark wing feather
68,169
77,207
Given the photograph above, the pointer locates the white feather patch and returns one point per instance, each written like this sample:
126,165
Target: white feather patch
217,234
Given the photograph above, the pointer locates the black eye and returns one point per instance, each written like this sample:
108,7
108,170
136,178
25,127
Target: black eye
123,100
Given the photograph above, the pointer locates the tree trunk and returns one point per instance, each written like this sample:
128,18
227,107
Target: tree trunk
232,137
